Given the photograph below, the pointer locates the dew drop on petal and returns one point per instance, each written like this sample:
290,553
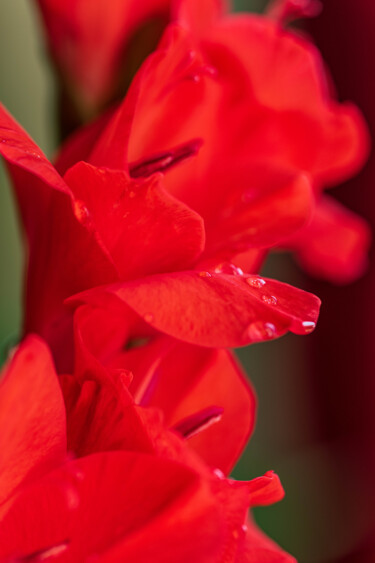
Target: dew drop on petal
72,498
204,274
131,194
53,551
269,299
244,528
219,473
149,317
80,211
255,281
308,326
227,268
259,330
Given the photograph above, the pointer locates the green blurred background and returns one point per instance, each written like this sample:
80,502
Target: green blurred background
314,521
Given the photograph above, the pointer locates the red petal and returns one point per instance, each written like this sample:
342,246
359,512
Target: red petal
17,148
102,417
265,490
289,80
32,417
264,207
198,17
215,310
118,506
207,378
144,229
63,256
335,244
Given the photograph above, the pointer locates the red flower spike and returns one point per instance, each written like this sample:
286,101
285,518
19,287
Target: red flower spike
215,310
142,227
32,417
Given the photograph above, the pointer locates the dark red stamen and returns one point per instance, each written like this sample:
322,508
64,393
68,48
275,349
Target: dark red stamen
165,160
199,421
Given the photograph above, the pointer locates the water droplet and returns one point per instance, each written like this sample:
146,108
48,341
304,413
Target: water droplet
80,211
204,275
131,194
244,528
227,268
236,534
219,473
269,299
259,330
255,281
53,551
149,317
72,497
308,326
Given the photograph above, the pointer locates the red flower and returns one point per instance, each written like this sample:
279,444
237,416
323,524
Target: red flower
97,225
271,119
128,487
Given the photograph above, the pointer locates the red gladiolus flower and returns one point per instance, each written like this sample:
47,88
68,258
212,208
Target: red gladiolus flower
285,116
270,127
109,481
98,225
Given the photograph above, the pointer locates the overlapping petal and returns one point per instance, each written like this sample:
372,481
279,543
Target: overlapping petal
202,393
143,229
111,505
335,244
215,310
32,417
